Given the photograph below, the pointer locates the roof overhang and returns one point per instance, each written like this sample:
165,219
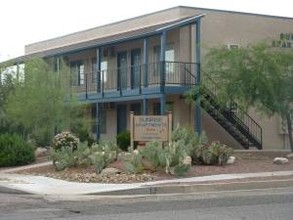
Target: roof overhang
110,40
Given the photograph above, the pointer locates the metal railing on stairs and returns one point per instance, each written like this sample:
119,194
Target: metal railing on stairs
234,119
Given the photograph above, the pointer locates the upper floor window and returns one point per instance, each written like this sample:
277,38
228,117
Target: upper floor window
77,73
104,69
169,58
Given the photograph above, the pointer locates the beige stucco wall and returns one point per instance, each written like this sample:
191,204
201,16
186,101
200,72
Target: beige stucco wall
233,28
183,115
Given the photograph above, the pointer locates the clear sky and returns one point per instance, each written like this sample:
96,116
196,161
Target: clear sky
28,21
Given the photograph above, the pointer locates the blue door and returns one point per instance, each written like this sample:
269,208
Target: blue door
122,70
121,118
135,68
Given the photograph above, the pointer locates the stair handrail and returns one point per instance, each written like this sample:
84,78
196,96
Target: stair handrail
250,125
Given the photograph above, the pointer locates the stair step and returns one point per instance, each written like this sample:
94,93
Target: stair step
222,114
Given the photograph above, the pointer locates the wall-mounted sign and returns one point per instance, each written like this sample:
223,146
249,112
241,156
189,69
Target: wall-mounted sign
150,127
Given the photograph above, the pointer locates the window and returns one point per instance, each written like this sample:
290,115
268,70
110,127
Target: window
103,116
104,69
156,109
103,124
169,57
77,73
156,61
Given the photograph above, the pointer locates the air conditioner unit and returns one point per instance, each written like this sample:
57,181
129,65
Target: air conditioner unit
232,46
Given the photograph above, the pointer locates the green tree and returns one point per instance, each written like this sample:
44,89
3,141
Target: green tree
7,87
256,76
41,103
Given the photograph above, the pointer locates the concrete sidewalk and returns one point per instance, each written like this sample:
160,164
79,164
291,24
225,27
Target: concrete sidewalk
39,185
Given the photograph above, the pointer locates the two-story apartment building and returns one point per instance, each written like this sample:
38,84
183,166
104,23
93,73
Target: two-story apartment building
146,64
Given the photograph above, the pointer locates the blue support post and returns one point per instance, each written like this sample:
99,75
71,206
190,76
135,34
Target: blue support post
162,61
145,106
163,104
98,69
162,73
98,121
145,61
198,119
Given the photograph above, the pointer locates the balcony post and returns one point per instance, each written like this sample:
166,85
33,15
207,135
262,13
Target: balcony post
198,119
162,104
86,84
162,73
145,61
162,60
98,69
145,106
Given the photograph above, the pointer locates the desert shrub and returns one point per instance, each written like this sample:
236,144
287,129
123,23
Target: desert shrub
188,139
103,154
154,153
123,140
175,155
212,154
169,158
15,151
65,139
133,162
62,158
99,155
84,136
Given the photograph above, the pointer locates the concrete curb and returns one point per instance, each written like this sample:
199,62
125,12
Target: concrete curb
39,185
8,190
201,188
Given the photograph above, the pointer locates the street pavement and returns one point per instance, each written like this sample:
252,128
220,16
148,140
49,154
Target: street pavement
264,204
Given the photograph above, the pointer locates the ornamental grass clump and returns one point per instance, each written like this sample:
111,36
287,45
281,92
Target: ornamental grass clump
65,139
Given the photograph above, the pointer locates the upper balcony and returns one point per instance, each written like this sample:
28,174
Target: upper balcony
142,79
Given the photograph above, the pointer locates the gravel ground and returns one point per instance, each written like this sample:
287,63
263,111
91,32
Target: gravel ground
246,162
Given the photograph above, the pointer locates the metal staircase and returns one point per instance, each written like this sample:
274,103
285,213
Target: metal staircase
233,119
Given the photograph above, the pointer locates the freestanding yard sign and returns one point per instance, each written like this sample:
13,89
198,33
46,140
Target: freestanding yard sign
147,128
